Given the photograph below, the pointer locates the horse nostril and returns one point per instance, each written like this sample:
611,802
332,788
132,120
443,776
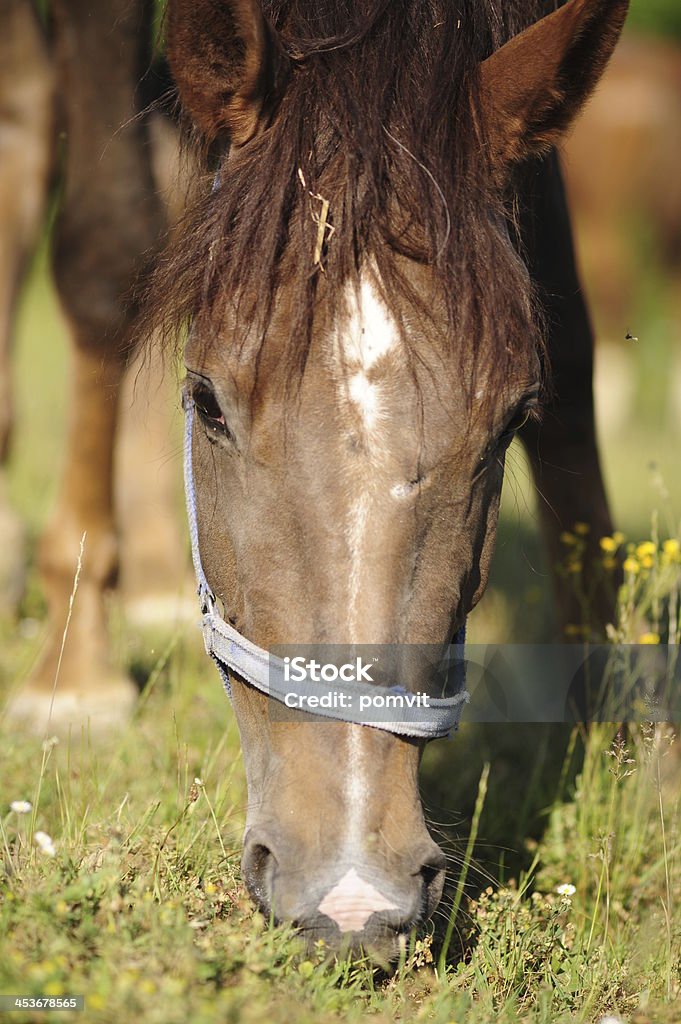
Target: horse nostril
257,867
432,873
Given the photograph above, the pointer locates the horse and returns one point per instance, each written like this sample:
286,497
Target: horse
377,269
360,271
26,128
101,148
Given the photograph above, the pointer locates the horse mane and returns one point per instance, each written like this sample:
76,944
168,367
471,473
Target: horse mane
380,122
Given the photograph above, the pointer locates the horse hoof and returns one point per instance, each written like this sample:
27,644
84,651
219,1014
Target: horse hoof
103,710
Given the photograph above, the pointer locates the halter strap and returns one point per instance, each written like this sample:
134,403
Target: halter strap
232,651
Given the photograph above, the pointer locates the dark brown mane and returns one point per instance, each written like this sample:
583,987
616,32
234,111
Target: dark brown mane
380,118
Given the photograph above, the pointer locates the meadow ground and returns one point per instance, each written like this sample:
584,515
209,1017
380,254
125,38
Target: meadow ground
565,850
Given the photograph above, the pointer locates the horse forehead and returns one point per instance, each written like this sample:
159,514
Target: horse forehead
363,338
368,331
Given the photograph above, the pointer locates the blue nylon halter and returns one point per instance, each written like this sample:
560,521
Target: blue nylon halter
230,650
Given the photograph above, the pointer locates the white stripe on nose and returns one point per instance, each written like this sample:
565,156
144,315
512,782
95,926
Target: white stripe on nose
352,901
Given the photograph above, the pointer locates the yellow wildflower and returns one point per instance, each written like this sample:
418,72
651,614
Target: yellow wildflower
618,537
649,638
609,545
609,564
672,549
581,529
647,561
568,538
631,565
646,549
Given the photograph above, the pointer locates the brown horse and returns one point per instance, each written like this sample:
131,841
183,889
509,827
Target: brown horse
363,276
26,131
364,344
117,162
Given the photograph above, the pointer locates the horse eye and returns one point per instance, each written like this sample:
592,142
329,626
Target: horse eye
209,410
527,410
518,420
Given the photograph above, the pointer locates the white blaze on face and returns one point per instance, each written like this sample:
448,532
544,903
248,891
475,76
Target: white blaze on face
372,331
356,795
359,514
367,398
369,334
352,901
362,342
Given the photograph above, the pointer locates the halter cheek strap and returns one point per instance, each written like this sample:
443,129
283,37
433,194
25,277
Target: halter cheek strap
232,651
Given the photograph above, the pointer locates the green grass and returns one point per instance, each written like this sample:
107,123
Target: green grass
142,910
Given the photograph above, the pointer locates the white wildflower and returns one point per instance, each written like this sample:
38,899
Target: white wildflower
566,889
44,842
609,1019
198,782
21,806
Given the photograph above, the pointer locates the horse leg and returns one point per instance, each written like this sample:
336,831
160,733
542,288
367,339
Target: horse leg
153,535
109,221
148,474
26,133
563,449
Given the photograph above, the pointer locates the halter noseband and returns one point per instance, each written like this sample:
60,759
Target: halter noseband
232,651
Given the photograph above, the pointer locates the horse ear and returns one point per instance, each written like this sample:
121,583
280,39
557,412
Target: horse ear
228,64
534,86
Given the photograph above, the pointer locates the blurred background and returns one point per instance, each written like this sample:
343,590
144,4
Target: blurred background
623,166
